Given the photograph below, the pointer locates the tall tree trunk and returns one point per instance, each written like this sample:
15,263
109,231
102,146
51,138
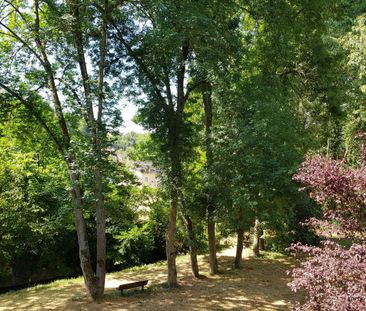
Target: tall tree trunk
76,192
101,244
212,246
239,248
207,102
174,141
84,251
256,237
192,247
170,245
95,129
175,196
98,180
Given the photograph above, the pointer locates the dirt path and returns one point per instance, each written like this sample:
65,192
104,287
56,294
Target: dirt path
260,285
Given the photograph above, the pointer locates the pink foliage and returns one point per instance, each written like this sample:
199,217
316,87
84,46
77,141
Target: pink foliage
341,189
334,277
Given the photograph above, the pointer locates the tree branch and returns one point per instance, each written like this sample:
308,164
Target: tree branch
15,36
182,98
140,63
38,117
50,76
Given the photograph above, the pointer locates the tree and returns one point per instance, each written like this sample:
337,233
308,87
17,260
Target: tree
163,46
47,52
284,60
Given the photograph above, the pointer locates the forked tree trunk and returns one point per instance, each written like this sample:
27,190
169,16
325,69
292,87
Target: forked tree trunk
96,132
256,237
192,247
239,248
94,281
176,166
170,247
90,279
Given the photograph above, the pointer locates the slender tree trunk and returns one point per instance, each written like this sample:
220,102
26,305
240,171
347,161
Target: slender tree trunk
207,101
170,247
98,180
175,195
84,251
239,248
212,246
192,247
256,237
262,245
174,141
101,247
194,262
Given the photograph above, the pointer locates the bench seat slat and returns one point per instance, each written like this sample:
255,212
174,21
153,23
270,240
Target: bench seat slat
132,285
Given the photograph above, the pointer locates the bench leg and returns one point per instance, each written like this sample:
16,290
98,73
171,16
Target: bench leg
142,288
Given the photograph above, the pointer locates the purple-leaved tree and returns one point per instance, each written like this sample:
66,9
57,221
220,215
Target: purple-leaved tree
334,276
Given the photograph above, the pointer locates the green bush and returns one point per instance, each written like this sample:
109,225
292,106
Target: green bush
144,242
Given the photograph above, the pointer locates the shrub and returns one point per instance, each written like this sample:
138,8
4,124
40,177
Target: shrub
334,276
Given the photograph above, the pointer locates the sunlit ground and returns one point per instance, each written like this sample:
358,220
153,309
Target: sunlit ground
259,285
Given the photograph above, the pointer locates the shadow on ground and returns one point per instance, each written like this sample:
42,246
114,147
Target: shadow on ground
259,285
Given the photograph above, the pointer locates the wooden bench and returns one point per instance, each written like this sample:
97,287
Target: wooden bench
132,285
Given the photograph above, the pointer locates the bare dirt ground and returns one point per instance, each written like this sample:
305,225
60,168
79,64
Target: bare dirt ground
259,285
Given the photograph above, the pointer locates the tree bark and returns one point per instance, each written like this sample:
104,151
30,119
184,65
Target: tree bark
212,246
170,245
175,196
262,245
256,237
84,251
175,175
192,247
239,248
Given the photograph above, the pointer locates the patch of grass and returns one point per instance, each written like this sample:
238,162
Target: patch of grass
41,287
59,283
259,285
140,268
273,255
